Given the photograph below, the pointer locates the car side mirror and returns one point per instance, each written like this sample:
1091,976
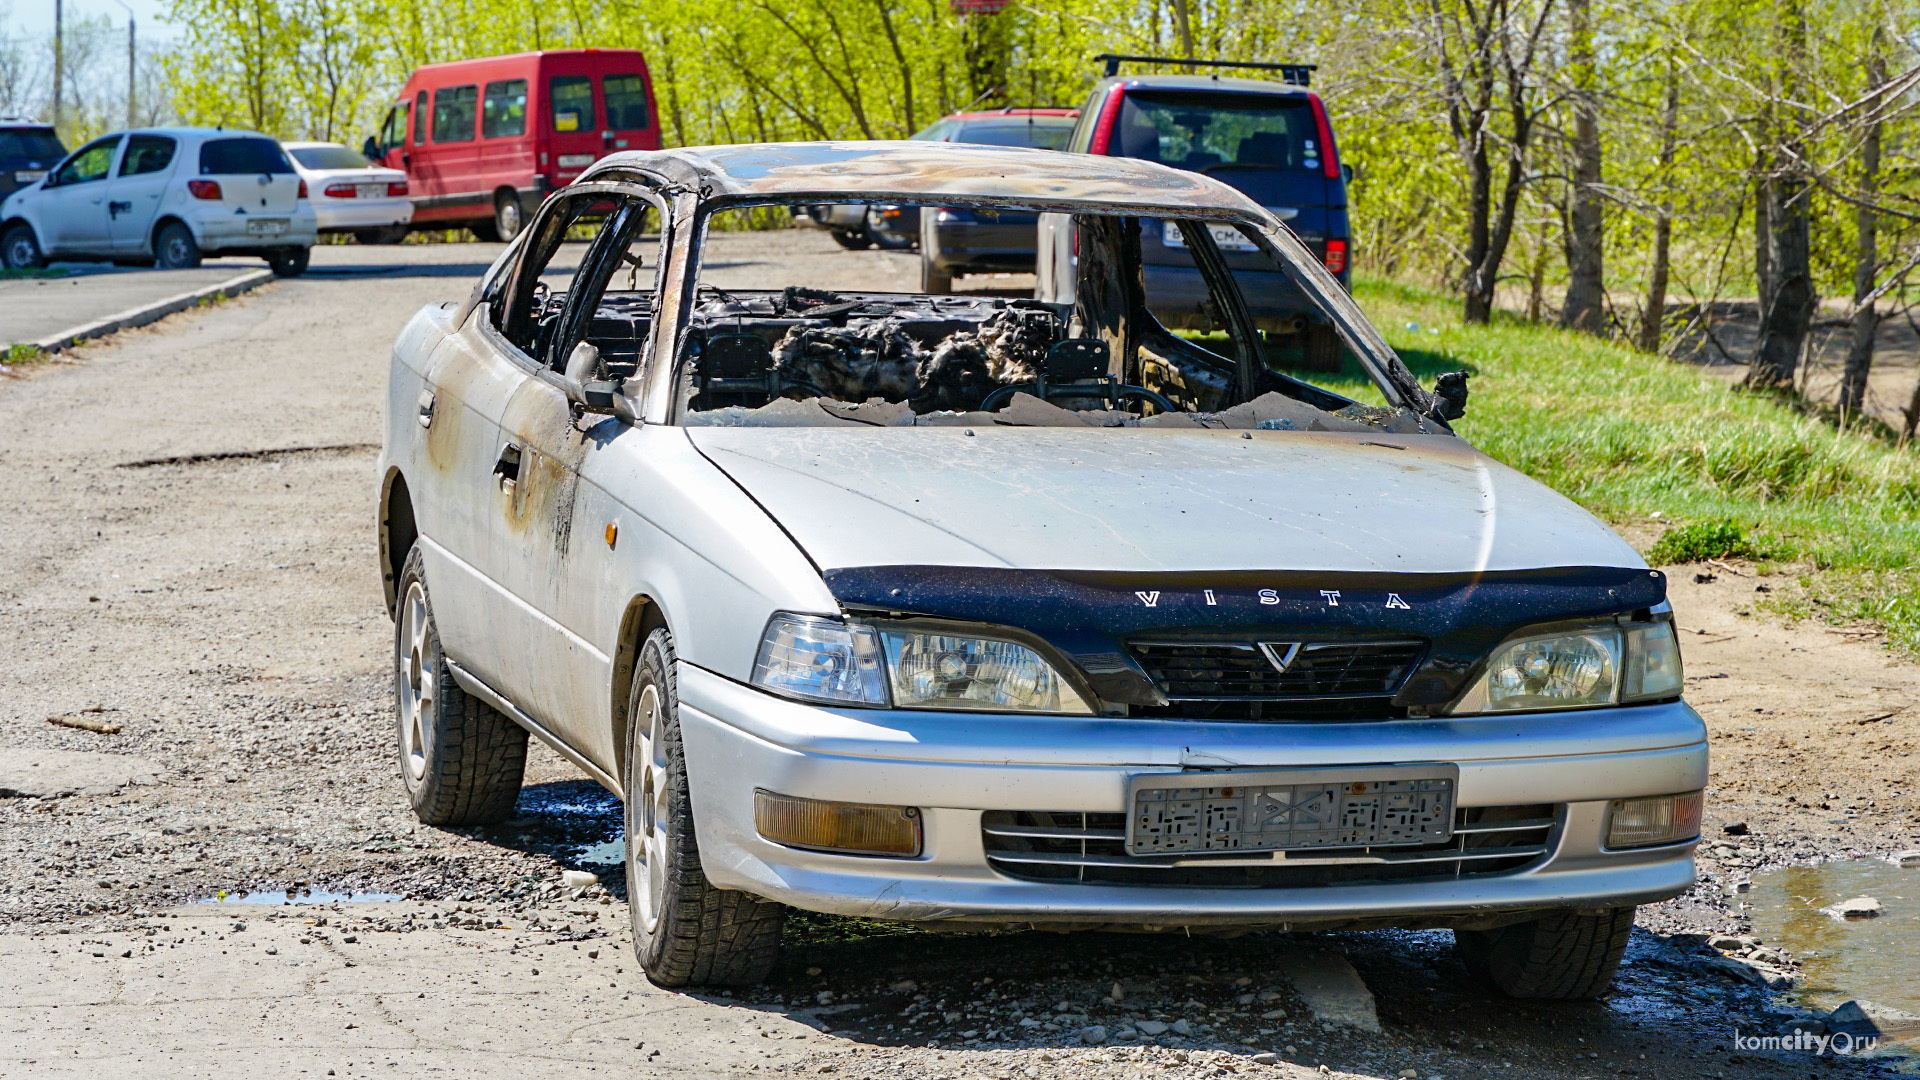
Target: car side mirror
1346,173
370,149
587,391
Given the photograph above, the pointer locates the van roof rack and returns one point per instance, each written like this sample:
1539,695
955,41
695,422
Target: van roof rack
1291,74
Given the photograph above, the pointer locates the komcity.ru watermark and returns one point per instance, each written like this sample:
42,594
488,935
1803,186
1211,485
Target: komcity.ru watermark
1840,1043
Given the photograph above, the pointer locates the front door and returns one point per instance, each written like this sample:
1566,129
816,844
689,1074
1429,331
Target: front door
526,641
75,218
135,192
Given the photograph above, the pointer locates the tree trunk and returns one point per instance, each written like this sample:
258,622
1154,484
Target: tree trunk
1866,320
1654,313
1183,28
1762,199
1585,307
1787,309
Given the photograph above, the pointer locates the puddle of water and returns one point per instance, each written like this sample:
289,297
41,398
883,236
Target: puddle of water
1842,960
302,896
607,851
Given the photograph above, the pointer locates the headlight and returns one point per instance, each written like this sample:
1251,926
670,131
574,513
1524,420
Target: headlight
821,660
940,671
825,660
1601,665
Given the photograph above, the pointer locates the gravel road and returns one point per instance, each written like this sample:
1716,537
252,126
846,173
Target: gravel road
193,620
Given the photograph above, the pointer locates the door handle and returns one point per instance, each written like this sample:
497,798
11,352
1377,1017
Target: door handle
115,209
507,469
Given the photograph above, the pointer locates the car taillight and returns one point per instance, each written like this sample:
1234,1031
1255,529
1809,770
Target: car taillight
1109,119
335,191
204,189
302,193
1336,257
397,187
1329,156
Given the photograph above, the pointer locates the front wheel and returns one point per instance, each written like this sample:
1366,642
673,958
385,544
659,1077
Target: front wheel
20,249
685,931
1321,349
174,248
460,760
1564,956
289,262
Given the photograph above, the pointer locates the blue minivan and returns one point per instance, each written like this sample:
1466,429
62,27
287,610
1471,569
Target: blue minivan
1271,140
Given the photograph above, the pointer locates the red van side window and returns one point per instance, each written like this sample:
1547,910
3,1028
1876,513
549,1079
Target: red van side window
504,109
626,102
572,102
420,118
454,113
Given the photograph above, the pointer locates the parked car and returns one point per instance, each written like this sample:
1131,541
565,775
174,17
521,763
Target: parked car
1272,141
351,194
974,244
483,141
28,149
166,197
977,610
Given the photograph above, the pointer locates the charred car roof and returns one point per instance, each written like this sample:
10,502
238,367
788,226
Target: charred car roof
917,171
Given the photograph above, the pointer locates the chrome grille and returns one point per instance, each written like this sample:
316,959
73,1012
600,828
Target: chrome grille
1278,671
1091,848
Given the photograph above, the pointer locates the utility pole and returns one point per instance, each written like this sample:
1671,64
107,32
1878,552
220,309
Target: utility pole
131,66
59,62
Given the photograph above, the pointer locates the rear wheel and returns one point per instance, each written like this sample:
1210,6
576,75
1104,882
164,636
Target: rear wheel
508,216
1321,349
685,931
460,760
174,248
1564,956
289,262
932,278
21,249
851,240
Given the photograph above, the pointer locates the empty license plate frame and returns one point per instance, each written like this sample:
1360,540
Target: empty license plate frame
1291,809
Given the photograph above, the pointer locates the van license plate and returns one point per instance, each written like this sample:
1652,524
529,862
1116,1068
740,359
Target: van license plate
1225,237
1291,809
267,227
369,191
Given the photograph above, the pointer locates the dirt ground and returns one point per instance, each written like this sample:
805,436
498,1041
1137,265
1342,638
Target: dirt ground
187,557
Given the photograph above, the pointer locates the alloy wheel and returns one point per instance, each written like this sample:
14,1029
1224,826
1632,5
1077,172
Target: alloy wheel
417,698
646,813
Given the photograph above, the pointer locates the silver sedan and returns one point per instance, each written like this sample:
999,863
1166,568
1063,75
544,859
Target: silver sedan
981,609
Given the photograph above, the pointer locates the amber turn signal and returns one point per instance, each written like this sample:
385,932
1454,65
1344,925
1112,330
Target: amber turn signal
613,533
846,828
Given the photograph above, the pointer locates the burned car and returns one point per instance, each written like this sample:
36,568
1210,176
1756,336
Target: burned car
975,609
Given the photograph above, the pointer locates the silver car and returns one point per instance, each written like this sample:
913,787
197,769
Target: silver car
955,610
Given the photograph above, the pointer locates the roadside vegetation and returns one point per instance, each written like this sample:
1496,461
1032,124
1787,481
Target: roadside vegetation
1710,470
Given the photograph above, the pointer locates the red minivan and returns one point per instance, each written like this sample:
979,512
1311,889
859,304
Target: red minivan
483,141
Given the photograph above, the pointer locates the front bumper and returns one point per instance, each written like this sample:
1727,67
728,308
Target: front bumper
954,766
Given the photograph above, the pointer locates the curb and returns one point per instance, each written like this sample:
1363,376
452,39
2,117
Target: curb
154,312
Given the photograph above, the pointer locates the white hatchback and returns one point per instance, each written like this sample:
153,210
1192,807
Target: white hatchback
166,197
351,194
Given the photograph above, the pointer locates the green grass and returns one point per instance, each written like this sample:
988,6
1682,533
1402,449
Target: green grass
9,274
21,353
1639,439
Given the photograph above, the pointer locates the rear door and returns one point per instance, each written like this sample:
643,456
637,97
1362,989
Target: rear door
573,117
136,190
505,156
74,218
258,186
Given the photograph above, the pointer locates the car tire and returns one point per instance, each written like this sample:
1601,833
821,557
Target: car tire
20,249
852,241
685,931
289,262
509,217
460,760
1564,956
932,278
1321,348
391,234
174,248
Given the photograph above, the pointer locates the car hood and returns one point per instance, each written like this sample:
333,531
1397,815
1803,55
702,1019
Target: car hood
1155,500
